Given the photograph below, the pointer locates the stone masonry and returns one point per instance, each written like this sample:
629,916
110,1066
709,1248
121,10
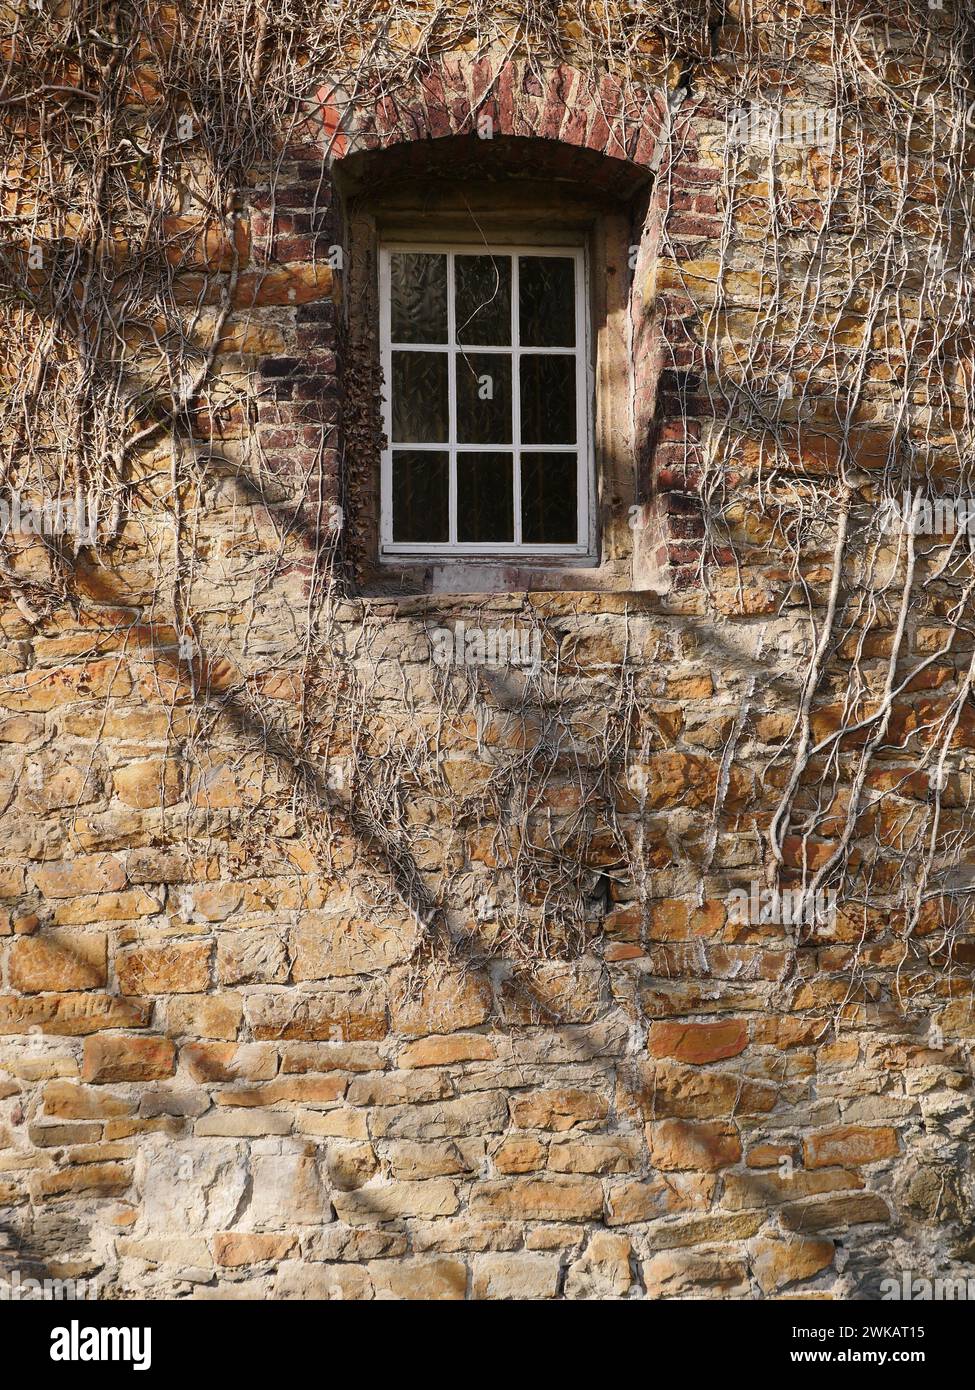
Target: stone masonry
480,1021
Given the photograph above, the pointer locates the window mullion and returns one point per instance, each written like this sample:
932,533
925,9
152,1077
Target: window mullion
580,352
386,356
452,400
584,502
515,400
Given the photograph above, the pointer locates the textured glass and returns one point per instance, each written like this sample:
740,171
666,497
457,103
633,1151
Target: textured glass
546,301
483,300
484,497
549,514
418,297
548,399
420,399
421,483
483,398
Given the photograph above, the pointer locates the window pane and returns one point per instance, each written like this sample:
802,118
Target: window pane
548,399
483,299
546,301
549,514
420,409
421,482
483,398
418,297
484,497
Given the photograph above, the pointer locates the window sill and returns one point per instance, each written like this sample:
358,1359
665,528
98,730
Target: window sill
500,577
569,599
410,578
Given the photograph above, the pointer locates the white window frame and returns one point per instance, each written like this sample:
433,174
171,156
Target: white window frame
392,551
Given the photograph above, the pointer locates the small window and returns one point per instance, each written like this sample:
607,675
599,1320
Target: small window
486,408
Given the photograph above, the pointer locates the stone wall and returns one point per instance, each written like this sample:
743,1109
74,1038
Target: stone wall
331,972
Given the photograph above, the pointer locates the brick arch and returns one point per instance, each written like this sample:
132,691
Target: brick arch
564,104
588,128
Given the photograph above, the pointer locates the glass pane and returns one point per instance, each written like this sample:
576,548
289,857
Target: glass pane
418,297
546,301
548,399
484,497
420,408
483,299
421,483
483,398
549,514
